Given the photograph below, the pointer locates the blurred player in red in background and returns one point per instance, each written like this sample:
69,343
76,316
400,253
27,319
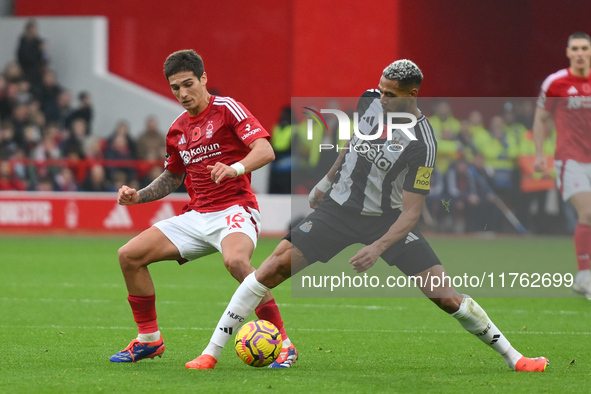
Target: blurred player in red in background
566,95
216,142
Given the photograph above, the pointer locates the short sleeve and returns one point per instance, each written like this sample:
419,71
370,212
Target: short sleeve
418,177
173,161
243,123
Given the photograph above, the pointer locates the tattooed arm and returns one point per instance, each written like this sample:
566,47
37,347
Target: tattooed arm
160,187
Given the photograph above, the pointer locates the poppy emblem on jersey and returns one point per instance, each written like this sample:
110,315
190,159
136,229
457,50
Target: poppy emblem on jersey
196,133
586,88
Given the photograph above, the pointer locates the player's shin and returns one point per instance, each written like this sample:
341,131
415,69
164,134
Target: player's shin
243,302
475,320
270,311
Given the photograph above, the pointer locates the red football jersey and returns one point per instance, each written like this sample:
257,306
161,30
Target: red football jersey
221,133
568,97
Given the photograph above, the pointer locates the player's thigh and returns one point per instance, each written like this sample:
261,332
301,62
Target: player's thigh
149,246
573,178
582,203
187,233
237,249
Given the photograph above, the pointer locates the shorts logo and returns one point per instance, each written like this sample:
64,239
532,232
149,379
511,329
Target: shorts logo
306,227
410,237
423,178
196,133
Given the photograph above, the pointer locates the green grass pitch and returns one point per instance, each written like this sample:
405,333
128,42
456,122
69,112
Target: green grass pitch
64,313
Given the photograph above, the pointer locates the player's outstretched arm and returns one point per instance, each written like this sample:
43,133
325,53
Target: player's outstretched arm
317,193
261,153
160,187
542,128
412,205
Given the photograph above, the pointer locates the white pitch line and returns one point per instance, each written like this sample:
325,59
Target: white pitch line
426,307
325,329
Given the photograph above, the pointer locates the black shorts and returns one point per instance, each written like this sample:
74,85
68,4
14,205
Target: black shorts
331,228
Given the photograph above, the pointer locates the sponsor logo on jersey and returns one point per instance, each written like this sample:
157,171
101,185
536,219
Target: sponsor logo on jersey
250,132
423,178
373,153
572,91
306,227
203,151
182,140
196,133
576,102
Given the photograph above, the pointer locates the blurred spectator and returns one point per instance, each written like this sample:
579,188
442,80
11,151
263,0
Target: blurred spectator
152,174
477,128
50,92
122,128
20,120
31,138
13,73
48,149
96,180
524,112
501,151
151,144
463,194
280,175
31,54
119,150
84,111
443,119
8,179
45,185
72,145
513,127
65,180
488,217
8,145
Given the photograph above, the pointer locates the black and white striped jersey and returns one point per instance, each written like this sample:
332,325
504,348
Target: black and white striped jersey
374,173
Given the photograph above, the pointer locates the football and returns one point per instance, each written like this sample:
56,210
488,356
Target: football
258,343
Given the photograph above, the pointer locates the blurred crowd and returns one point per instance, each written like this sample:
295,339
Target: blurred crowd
484,161
47,142
484,171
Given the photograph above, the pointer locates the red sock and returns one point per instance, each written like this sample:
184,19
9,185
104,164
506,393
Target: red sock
144,313
583,245
270,311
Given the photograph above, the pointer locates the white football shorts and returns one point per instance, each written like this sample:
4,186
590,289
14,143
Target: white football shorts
572,177
199,234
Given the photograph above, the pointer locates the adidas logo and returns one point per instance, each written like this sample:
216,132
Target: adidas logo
118,218
495,338
227,330
166,211
182,140
410,237
572,90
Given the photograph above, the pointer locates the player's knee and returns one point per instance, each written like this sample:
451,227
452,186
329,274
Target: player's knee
238,266
449,305
126,258
585,217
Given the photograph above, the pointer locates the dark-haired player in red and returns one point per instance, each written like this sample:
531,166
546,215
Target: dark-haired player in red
216,142
566,95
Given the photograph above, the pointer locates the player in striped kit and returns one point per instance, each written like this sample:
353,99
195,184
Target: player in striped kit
216,142
375,199
566,96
